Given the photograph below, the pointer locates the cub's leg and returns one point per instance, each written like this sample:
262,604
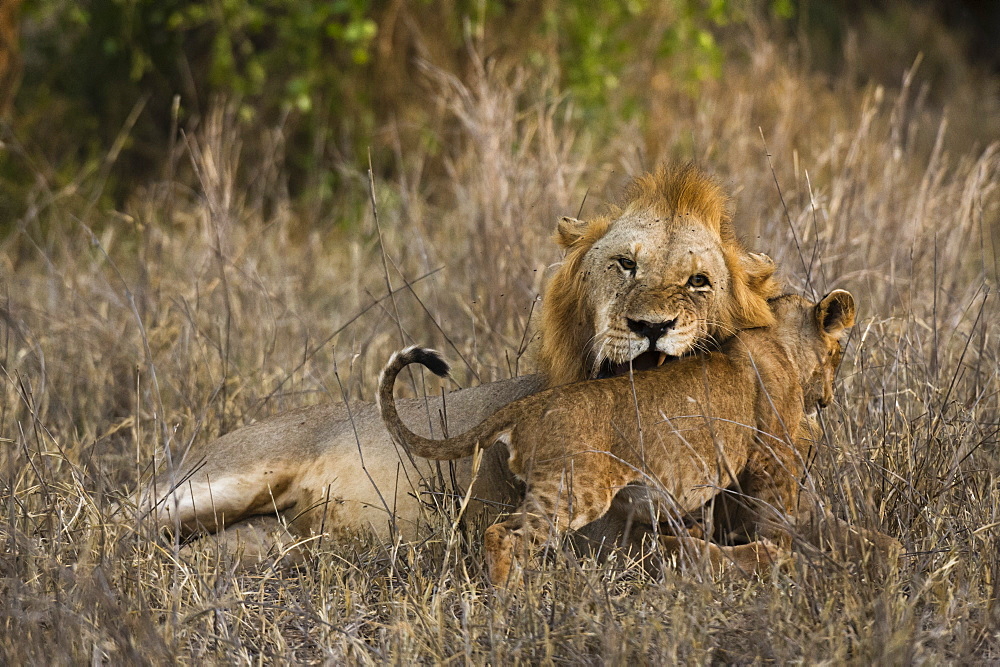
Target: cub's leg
769,490
743,512
755,557
628,526
736,518
547,508
819,527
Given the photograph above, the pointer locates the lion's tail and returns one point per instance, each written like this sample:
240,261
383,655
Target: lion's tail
443,450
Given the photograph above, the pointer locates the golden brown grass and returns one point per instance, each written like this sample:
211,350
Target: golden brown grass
194,310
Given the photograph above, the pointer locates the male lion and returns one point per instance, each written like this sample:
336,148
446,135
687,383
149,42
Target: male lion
658,274
653,277
690,429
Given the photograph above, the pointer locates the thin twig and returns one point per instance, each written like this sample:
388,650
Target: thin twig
795,236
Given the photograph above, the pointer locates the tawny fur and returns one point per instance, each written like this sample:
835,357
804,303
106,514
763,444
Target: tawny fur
334,468
689,429
671,223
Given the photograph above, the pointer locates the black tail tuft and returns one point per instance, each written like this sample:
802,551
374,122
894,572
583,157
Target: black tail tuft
432,359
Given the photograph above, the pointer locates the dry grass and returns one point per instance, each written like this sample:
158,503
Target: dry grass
195,310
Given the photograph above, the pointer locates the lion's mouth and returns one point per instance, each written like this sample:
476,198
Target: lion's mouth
644,362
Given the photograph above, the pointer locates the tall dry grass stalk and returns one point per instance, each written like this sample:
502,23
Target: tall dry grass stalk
129,334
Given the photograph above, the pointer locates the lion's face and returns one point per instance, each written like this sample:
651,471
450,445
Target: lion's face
653,288
656,277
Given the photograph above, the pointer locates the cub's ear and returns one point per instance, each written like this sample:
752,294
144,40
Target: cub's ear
570,230
835,312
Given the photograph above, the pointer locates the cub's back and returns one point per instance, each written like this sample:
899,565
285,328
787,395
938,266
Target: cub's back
720,384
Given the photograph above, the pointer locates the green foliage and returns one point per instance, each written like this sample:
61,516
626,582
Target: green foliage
602,42
285,49
299,41
89,64
310,67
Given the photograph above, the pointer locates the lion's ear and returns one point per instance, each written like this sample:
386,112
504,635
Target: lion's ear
760,273
550,271
835,312
570,230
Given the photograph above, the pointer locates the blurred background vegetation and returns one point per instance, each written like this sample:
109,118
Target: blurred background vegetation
108,86
187,245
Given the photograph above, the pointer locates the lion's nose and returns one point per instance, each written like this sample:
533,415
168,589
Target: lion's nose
650,330
825,399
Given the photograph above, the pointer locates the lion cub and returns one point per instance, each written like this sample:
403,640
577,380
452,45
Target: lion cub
689,428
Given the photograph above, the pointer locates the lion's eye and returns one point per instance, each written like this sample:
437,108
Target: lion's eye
626,263
699,280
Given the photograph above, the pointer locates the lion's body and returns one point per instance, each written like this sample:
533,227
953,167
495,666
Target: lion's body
673,226
331,467
688,429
